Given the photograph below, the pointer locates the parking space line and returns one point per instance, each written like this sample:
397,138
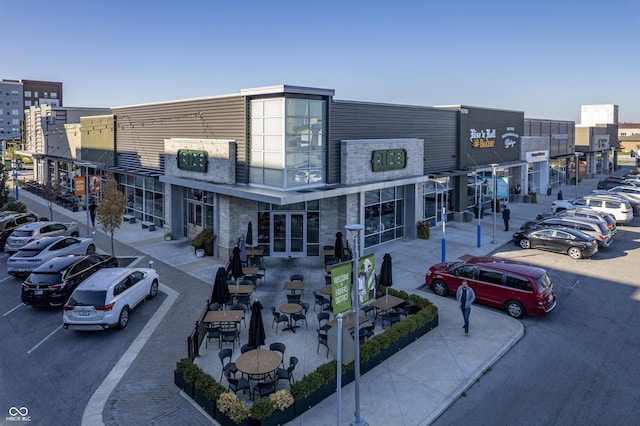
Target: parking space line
93,411
6,278
8,312
45,339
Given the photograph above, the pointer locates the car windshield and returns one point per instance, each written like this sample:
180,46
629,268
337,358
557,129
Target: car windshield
87,298
44,278
22,233
454,265
543,283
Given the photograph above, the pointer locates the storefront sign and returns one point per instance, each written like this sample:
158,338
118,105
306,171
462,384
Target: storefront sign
389,159
192,160
482,138
341,287
79,186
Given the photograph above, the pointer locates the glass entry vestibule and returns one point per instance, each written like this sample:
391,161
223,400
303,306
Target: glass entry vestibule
291,230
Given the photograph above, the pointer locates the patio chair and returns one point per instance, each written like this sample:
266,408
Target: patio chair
278,318
263,388
229,335
212,333
240,307
245,299
261,274
293,298
279,347
320,300
215,306
322,340
301,316
227,367
287,373
246,348
236,385
362,334
368,308
323,317
296,277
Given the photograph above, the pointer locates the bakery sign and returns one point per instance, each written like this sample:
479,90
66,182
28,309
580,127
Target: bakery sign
484,138
388,159
193,160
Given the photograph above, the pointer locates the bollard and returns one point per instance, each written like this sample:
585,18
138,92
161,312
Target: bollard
151,264
93,235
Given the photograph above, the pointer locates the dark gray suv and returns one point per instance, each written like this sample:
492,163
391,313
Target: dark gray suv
52,283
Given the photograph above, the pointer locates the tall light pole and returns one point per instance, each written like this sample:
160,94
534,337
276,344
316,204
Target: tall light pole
494,200
577,167
354,230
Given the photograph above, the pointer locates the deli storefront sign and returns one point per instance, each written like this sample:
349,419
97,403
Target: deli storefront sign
193,160
389,159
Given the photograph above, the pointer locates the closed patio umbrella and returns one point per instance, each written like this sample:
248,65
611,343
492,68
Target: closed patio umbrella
249,239
386,276
220,293
243,250
236,264
338,247
256,326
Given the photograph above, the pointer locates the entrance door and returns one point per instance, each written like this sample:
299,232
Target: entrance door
288,232
195,218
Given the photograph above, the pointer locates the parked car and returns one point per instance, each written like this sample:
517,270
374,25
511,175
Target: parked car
107,297
633,202
33,231
9,221
506,284
595,228
615,206
592,214
51,283
576,244
631,190
39,251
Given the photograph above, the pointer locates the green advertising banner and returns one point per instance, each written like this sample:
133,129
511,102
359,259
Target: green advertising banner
341,287
366,280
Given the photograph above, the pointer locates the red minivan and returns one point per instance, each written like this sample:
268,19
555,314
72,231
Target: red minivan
506,284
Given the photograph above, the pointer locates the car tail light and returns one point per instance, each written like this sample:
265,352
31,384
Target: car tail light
24,286
59,286
67,308
31,239
105,307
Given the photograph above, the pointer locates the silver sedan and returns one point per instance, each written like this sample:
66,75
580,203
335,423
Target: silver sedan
37,252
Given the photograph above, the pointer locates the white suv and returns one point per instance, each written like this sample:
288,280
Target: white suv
106,298
618,208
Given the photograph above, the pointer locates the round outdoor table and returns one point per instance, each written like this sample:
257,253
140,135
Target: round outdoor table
290,309
258,362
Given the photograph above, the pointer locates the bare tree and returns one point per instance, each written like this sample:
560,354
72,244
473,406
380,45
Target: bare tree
112,206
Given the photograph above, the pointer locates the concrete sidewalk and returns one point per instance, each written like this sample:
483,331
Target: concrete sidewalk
413,387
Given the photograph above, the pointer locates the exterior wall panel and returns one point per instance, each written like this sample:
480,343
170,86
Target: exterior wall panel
142,130
357,120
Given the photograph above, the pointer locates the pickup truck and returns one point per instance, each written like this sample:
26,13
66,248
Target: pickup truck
36,230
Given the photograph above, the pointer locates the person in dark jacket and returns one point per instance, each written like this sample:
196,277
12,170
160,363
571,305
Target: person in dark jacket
92,213
560,195
465,297
506,215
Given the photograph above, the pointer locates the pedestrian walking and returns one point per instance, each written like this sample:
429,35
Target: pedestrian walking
560,195
465,297
506,215
92,213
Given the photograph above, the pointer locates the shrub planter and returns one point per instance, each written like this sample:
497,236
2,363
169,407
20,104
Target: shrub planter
182,383
277,418
225,420
207,404
303,404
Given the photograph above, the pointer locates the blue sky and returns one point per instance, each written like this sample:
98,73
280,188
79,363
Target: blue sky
545,58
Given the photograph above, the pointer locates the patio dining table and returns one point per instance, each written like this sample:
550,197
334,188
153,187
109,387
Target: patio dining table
348,321
258,363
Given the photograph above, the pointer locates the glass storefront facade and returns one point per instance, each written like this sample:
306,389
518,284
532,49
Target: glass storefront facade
292,230
383,215
287,142
437,193
145,197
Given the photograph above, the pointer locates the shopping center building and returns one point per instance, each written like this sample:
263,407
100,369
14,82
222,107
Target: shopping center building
300,165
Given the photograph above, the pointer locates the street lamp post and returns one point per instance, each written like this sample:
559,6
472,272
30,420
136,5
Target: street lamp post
577,167
354,230
494,199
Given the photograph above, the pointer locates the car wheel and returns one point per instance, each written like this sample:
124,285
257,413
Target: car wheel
75,234
440,288
574,253
514,309
123,319
154,289
91,249
525,243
